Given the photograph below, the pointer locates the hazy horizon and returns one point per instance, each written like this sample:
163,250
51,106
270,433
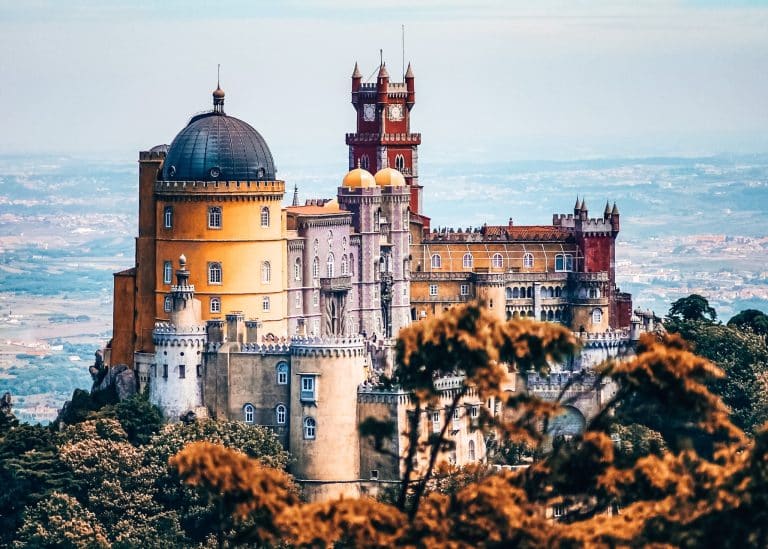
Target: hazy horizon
495,81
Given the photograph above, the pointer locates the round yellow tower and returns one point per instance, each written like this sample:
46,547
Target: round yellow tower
217,200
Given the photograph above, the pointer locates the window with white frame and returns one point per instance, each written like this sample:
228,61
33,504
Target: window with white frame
215,305
399,162
558,510
248,413
456,418
471,452
597,316
497,261
310,428
308,388
329,266
282,373
464,289
528,260
298,300
266,272
351,264
280,414
167,272
168,217
344,265
297,269
214,273
435,417
437,261
214,217
474,412
433,289
168,304
316,298
364,162
265,216
265,303
466,261
316,268
563,262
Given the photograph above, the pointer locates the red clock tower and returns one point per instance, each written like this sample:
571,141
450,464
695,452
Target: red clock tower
383,138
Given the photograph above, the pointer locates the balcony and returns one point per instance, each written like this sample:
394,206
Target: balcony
336,284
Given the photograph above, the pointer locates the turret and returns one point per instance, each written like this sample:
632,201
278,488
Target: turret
607,212
357,77
382,84
577,208
411,87
584,212
615,218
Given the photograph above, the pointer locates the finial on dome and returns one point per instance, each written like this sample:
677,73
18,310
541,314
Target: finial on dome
218,93
295,195
356,73
358,163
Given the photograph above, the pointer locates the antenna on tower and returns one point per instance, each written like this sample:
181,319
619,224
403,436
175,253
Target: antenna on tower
403,41
381,57
218,75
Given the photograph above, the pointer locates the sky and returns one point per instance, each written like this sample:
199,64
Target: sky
495,81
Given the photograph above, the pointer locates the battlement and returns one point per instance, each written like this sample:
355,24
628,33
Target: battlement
148,156
327,346
166,334
557,381
186,288
219,187
388,138
613,338
498,233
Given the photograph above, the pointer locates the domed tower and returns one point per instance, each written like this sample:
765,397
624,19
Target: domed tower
214,195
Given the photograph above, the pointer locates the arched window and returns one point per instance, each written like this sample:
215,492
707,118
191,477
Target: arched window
310,428
214,217
266,272
297,269
168,217
437,262
466,261
529,292
351,264
215,305
515,293
550,316
543,316
399,162
265,217
329,266
410,239
282,373
557,315
472,450
214,273
528,261
315,268
344,265
168,304
594,293
280,413
364,162
248,410
558,291
497,261
509,293
167,272
597,316
543,291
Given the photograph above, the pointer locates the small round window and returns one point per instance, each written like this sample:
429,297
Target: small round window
215,172
260,173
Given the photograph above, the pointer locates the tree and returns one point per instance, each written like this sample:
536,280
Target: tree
705,483
692,308
751,319
140,418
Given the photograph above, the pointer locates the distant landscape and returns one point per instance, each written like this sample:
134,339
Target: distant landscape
689,225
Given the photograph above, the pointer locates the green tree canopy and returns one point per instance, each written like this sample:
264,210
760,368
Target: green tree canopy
751,319
692,308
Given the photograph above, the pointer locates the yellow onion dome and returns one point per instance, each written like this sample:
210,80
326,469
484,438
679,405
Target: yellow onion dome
389,177
359,178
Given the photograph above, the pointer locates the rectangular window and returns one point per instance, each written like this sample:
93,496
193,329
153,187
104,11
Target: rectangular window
265,304
464,289
564,262
165,371
374,474
474,411
298,301
456,418
182,371
308,386
214,217
435,422
199,370
558,511
167,272
168,217
433,289
167,304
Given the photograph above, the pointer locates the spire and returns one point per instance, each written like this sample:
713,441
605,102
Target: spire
583,205
409,72
577,206
182,274
615,210
218,94
296,190
356,73
383,73
607,211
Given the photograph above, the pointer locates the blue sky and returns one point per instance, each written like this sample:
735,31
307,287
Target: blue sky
495,80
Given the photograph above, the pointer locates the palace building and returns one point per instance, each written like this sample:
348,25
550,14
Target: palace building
241,307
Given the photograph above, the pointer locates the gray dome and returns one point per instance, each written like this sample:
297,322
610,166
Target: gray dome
217,147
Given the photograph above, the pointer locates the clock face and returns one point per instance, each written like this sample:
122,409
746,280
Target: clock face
395,112
369,112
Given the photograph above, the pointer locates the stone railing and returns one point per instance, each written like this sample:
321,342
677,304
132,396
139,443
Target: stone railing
218,187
